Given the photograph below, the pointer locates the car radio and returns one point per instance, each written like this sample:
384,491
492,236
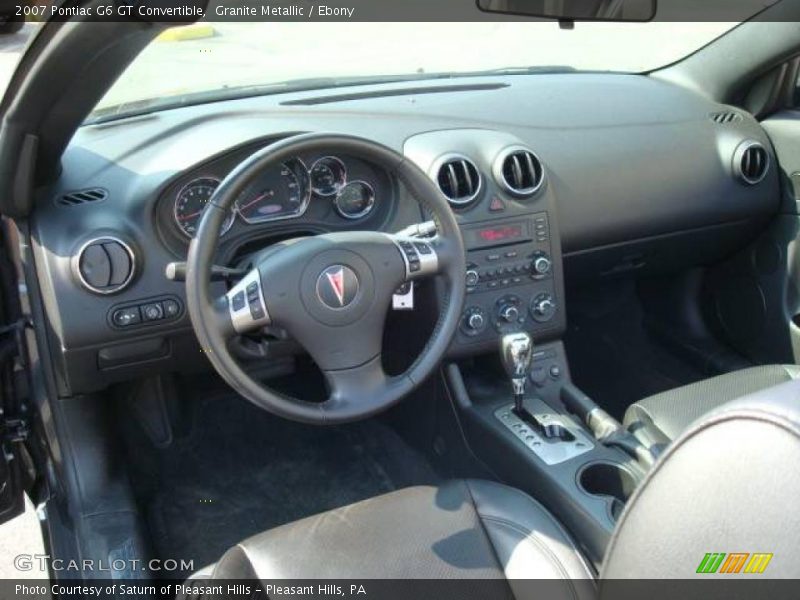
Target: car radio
510,281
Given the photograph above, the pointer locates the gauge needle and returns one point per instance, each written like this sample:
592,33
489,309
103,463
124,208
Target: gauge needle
254,200
191,216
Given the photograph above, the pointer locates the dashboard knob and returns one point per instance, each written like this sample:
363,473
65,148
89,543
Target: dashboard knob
509,314
476,321
472,278
473,321
543,307
542,265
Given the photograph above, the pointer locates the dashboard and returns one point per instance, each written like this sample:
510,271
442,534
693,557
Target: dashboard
555,179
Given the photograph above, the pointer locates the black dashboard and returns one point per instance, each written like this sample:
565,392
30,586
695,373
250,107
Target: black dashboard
553,178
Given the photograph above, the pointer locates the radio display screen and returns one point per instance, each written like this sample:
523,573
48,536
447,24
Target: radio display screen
497,234
500,234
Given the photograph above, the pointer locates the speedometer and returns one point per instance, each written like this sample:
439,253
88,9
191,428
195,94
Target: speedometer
190,203
279,192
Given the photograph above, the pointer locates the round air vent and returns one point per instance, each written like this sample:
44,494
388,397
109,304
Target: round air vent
458,179
750,162
104,265
519,171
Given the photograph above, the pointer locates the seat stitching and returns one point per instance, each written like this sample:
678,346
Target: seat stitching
532,536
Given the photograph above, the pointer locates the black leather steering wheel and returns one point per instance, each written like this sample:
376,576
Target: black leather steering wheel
331,292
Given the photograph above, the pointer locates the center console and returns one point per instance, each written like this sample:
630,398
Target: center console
509,380
550,453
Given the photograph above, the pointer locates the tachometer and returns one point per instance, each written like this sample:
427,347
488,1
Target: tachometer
355,200
279,192
328,176
190,203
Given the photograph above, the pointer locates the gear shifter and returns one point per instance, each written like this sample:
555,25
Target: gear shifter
516,352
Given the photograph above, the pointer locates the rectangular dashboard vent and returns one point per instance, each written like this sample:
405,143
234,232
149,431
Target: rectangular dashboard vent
726,117
439,89
82,197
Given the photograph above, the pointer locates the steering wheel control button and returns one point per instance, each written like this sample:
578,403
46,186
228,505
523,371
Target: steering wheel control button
246,306
423,248
124,317
420,257
237,302
337,286
153,311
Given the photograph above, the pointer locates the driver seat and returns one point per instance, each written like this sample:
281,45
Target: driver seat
724,485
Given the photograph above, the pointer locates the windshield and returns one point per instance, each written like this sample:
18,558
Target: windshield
207,60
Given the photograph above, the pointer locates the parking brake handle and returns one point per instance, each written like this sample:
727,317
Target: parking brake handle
606,429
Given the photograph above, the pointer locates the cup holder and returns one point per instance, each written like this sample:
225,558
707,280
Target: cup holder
608,480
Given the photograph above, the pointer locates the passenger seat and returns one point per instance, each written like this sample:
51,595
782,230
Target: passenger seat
659,419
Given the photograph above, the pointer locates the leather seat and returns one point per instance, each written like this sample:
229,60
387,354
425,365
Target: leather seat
718,488
463,529
661,418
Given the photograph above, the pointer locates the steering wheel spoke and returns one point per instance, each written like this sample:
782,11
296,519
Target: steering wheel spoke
356,385
246,306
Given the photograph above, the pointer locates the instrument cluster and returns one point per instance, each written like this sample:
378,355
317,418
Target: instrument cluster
280,192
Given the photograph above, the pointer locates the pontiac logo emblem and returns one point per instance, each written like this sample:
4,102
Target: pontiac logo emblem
337,283
337,286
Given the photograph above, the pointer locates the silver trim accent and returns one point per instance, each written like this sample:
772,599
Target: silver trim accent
739,154
439,163
108,291
550,452
497,171
300,213
428,263
364,212
343,183
242,320
226,225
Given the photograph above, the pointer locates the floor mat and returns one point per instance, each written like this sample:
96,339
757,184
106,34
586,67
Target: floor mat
241,471
612,357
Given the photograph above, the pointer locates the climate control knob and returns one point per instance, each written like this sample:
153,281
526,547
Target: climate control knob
543,308
508,313
476,322
473,321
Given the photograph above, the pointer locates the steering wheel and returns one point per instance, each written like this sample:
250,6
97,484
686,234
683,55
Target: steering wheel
330,292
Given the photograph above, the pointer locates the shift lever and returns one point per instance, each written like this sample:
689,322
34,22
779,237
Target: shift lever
516,352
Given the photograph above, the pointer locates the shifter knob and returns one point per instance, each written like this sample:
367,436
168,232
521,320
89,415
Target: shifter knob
516,352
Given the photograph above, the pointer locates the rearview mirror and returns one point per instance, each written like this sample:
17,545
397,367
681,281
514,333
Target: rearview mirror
575,10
